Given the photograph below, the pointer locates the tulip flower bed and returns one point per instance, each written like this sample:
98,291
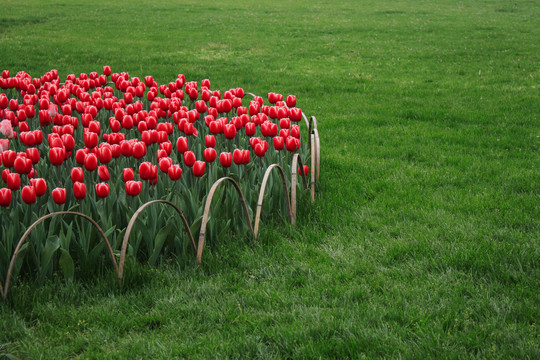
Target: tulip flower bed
84,161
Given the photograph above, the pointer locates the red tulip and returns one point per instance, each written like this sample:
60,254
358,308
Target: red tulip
59,195
114,124
127,174
77,174
250,129
291,101
254,108
8,158
13,181
198,168
210,141
39,136
254,141
182,145
201,106
160,153
95,127
206,95
216,127
105,154
33,154
115,149
175,172
210,154
106,70
133,188
22,165
229,131
103,173
295,131
5,197
148,80
90,139
28,194
189,158
79,190
90,162
279,143
80,155
259,150
139,150
241,110
291,144
245,156
285,123
238,156
273,97
295,114
5,173
126,148
306,170
225,159
146,170
102,190
40,185
164,164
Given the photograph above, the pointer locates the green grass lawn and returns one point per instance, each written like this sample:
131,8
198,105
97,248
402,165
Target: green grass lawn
424,238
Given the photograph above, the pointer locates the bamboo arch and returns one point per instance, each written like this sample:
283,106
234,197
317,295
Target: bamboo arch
132,223
261,196
36,223
317,154
206,213
296,160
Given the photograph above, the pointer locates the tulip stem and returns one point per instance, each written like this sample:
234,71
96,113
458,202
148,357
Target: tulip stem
58,176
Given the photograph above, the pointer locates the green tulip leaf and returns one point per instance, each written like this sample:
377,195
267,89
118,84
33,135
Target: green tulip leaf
158,243
51,245
66,264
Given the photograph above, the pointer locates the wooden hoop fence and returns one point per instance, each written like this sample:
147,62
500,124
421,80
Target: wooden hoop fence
206,212
36,223
131,224
261,196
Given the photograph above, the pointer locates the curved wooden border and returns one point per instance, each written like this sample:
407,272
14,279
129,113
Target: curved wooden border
312,123
261,195
132,223
38,221
207,212
296,161
318,153
313,170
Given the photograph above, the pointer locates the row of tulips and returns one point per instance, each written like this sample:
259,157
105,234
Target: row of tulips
104,143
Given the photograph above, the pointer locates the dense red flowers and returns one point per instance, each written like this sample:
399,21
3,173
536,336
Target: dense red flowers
127,128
